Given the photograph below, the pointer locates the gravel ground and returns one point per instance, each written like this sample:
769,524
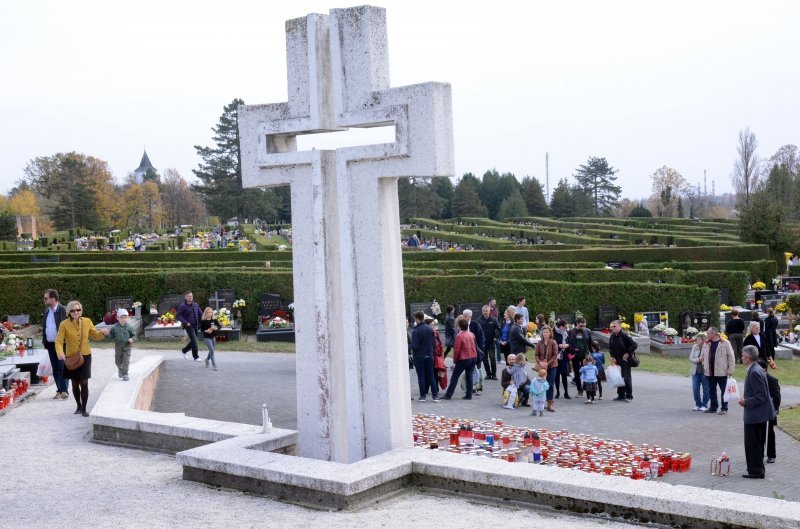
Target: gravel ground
56,477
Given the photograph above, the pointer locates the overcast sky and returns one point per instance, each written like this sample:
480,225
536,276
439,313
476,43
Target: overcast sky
643,84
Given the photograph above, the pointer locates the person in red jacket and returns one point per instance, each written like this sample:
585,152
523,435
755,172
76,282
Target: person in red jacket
465,354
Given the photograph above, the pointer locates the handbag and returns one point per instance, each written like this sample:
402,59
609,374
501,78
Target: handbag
73,362
634,360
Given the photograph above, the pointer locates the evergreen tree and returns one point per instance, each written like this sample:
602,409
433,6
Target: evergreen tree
561,204
513,206
8,226
417,198
533,192
466,202
640,211
151,176
443,187
220,172
765,219
596,179
680,208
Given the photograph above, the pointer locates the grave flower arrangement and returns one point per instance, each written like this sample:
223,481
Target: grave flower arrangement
691,331
223,316
137,304
759,285
239,304
531,329
724,307
660,328
669,331
435,308
625,326
781,307
278,323
168,318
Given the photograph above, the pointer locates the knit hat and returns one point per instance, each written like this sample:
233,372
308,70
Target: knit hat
121,313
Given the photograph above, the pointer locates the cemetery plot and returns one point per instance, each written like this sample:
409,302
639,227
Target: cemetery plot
276,322
166,327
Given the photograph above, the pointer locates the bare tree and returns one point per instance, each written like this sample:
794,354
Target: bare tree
746,169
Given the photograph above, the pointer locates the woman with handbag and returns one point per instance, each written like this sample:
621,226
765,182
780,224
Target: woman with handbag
547,359
72,346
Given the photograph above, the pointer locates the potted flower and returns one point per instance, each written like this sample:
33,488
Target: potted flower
759,285
239,304
670,333
137,309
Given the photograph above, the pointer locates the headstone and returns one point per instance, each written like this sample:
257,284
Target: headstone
474,307
568,317
168,302
348,270
222,298
267,304
770,300
424,307
655,317
699,320
21,319
119,302
723,296
616,265
760,294
606,314
788,281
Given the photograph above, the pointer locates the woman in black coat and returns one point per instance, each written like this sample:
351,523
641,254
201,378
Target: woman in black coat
563,368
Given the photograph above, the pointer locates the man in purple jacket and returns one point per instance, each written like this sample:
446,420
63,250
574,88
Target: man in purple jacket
189,315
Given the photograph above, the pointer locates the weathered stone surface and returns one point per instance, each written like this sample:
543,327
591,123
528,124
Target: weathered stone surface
349,301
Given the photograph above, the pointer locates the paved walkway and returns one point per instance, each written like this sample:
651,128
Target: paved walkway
660,414
50,459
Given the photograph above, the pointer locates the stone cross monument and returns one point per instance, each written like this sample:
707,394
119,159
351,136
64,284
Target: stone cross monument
353,397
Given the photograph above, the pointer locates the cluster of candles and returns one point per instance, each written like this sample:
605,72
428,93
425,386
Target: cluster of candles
17,388
550,447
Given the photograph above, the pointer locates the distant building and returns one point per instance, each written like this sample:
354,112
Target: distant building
144,166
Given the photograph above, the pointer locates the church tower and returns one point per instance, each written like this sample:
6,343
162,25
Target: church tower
144,166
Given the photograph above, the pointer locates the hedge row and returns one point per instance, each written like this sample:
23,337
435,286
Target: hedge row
460,238
22,293
742,252
138,265
760,270
173,256
483,265
565,297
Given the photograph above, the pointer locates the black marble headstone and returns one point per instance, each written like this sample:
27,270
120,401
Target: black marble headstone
759,294
268,303
170,301
789,280
222,298
568,317
424,307
606,314
699,320
474,307
770,300
654,318
119,302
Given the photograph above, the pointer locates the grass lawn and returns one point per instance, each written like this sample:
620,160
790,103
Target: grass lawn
243,346
788,371
789,421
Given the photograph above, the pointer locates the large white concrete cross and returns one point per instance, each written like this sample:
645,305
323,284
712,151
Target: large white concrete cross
353,398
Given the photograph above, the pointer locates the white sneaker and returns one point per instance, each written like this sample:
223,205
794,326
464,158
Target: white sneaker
696,408
702,408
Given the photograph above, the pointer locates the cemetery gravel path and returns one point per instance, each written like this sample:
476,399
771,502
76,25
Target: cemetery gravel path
55,477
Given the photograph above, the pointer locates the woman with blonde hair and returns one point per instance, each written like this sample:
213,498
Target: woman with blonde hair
505,332
72,346
208,328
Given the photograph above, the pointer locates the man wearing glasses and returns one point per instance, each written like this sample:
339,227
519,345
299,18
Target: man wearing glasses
54,314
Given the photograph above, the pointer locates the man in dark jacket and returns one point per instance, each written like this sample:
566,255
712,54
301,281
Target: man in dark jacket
517,343
491,331
189,315
758,411
54,314
622,348
775,395
423,347
580,343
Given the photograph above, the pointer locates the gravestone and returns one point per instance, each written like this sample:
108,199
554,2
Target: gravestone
267,304
474,307
20,319
770,300
606,314
699,320
424,307
222,298
787,281
654,318
348,270
170,301
723,296
760,294
119,302
568,317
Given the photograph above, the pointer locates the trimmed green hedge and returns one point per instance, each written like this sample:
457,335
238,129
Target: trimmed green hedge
173,256
563,297
743,252
460,238
22,294
761,270
13,267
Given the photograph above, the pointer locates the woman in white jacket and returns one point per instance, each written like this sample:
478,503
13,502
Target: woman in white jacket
699,379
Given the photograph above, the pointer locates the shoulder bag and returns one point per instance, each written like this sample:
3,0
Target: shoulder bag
73,362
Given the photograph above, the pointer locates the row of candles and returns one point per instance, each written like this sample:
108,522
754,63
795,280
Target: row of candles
496,440
17,388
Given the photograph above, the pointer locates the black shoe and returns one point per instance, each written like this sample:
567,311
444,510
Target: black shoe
558,395
621,399
567,396
710,410
85,413
770,460
750,476
465,398
78,411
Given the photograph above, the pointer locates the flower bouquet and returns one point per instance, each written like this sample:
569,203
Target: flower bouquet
167,319
223,316
759,285
724,307
625,326
435,308
691,331
239,304
531,329
278,323
781,307
660,328
670,333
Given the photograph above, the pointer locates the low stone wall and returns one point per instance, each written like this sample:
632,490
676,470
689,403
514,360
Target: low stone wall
122,416
643,343
237,464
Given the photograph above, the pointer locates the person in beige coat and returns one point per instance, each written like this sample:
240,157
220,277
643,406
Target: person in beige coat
718,364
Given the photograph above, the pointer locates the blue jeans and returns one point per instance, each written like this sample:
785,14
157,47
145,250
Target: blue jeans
460,367
423,365
551,380
713,383
697,381
191,332
211,343
58,369
499,352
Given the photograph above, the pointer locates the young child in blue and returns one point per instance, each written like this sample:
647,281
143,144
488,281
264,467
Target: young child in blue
589,379
599,363
539,388
122,334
